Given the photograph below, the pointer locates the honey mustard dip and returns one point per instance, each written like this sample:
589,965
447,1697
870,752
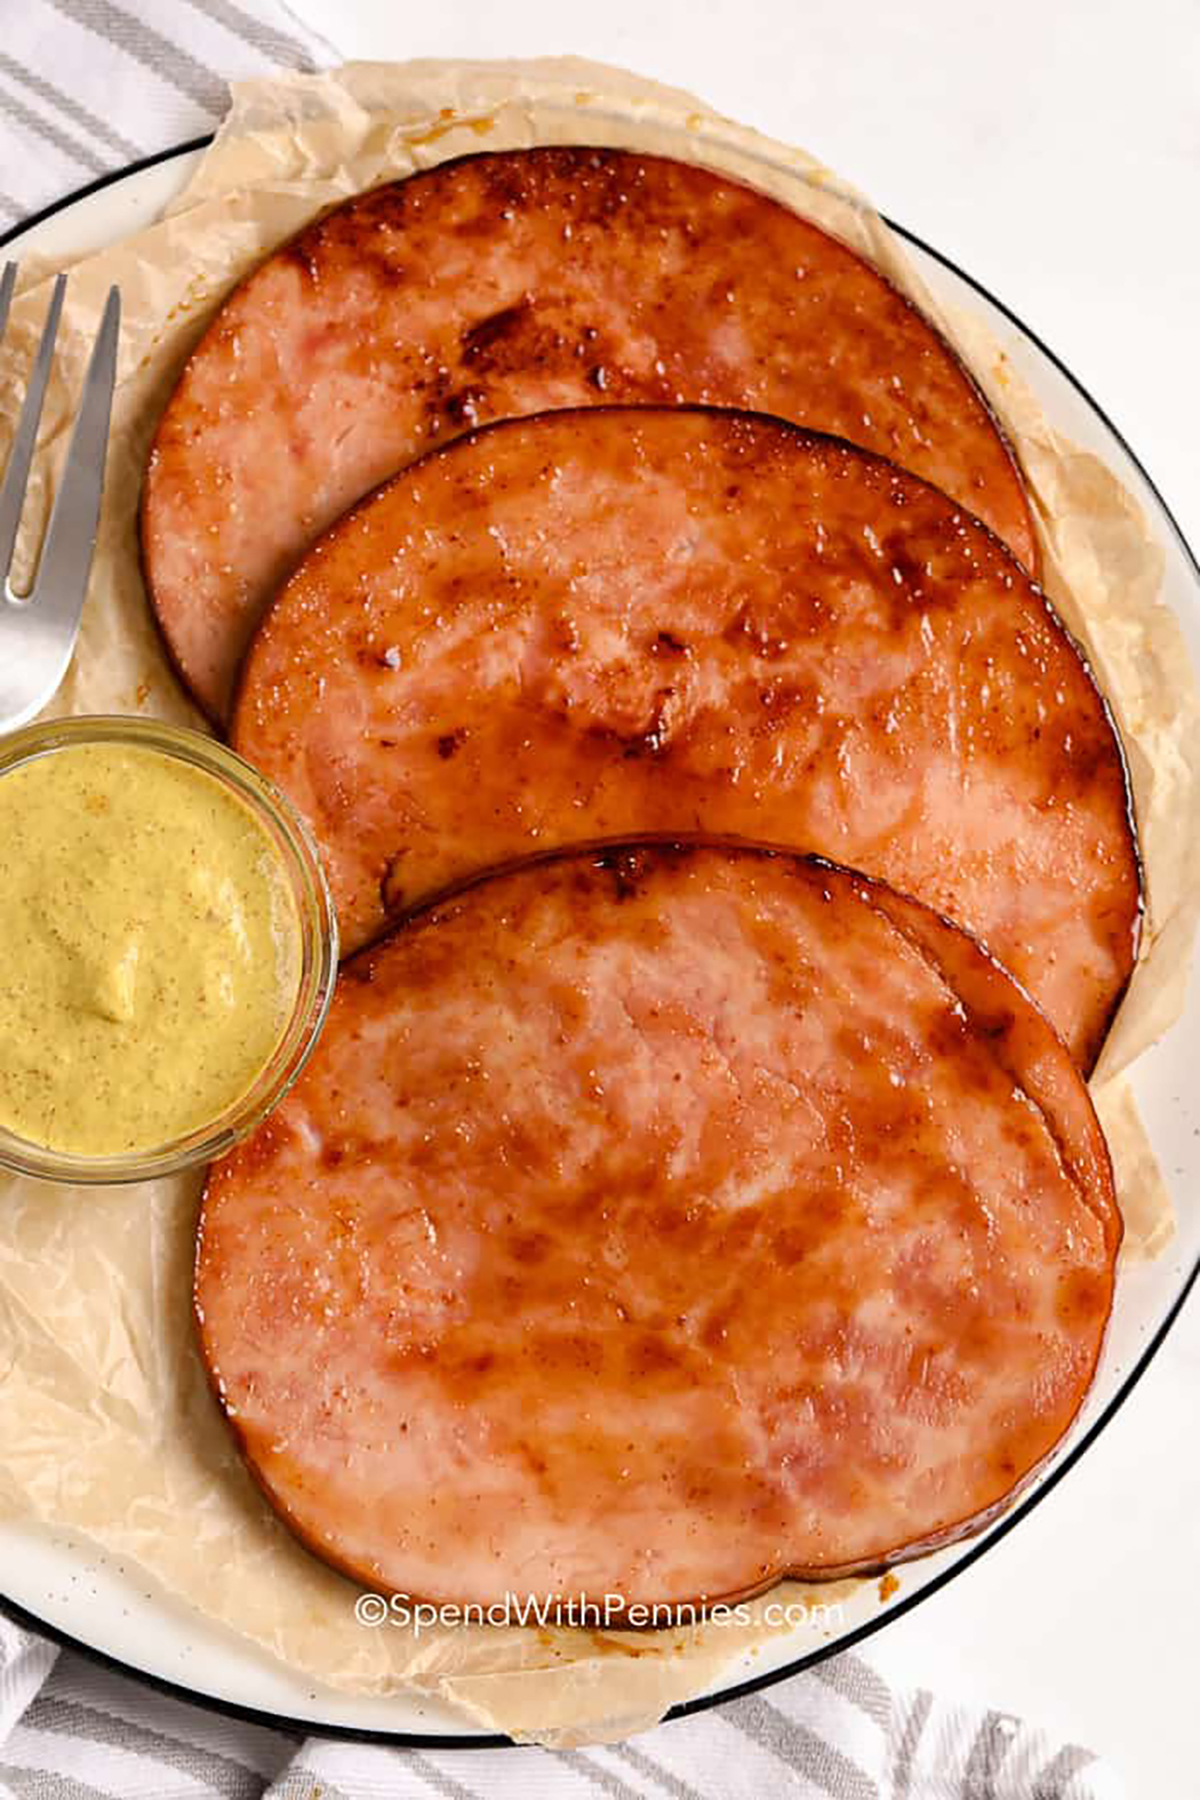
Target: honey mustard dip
150,949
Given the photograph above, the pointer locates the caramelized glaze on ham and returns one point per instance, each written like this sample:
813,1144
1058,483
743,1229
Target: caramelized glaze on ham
507,284
612,621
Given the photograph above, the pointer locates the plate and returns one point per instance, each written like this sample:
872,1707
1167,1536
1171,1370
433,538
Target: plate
68,1589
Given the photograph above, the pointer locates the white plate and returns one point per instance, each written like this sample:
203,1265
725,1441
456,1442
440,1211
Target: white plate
67,1587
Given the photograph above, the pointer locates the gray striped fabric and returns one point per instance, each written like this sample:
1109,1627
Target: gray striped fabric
87,86
70,1730
90,85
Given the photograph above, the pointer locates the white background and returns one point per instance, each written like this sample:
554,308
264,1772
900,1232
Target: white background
1053,150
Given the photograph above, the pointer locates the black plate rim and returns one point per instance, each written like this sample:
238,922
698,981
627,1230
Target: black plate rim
231,1709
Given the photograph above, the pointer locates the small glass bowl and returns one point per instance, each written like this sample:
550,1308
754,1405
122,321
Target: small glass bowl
319,947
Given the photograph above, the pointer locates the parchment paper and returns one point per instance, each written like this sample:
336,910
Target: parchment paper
106,1425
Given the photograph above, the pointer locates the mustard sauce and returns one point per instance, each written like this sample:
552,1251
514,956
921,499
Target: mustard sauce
150,949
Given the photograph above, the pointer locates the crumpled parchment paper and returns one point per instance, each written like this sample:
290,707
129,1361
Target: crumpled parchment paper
106,1424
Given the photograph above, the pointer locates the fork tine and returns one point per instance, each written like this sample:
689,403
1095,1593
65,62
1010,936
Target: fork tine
71,534
7,283
12,494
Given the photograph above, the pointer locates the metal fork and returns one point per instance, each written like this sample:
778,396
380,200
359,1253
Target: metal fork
38,629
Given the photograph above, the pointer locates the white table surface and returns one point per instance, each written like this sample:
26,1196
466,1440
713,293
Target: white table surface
1052,148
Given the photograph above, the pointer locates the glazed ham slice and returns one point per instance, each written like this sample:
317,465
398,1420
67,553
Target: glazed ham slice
508,284
653,1222
611,621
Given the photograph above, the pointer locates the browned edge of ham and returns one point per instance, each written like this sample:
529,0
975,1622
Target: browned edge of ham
738,1219
510,283
606,621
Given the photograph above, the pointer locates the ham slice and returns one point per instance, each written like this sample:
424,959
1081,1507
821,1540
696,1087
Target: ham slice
655,1221
508,284
609,621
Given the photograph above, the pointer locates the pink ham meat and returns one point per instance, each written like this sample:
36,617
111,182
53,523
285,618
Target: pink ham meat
654,1222
509,284
603,622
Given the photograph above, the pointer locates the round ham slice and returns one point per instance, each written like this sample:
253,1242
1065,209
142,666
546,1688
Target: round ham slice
508,284
654,1221
610,621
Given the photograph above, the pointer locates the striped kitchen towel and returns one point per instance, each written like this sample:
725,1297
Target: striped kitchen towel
87,86
82,1732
